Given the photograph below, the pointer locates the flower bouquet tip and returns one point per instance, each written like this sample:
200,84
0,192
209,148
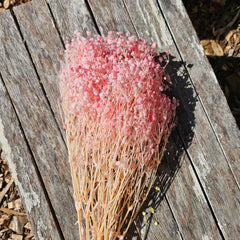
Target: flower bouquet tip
118,120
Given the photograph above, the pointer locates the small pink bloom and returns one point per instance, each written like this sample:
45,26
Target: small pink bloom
154,46
127,131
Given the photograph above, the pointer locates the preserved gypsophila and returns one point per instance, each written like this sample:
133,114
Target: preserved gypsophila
118,120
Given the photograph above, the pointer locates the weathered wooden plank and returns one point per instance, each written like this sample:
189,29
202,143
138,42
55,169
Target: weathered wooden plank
23,171
71,15
204,145
166,227
109,18
203,77
38,124
44,44
189,205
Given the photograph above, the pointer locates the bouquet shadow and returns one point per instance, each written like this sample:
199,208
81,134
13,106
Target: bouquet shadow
180,139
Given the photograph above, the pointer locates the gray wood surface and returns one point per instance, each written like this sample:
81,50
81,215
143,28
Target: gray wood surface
205,152
70,16
203,78
44,45
38,124
199,176
23,170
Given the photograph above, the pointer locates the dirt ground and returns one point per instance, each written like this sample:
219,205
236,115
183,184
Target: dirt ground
217,23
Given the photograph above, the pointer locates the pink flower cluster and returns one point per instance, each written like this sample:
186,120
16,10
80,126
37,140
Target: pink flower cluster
117,82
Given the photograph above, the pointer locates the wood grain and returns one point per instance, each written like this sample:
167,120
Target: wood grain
71,15
38,123
44,45
203,78
111,16
24,173
189,205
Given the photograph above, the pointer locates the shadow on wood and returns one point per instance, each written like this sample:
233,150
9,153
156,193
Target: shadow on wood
179,141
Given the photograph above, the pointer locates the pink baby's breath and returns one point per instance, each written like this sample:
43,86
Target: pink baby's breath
106,77
118,120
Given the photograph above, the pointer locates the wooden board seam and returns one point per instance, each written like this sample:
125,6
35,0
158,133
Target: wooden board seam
202,188
199,98
55,23
34,163
37,74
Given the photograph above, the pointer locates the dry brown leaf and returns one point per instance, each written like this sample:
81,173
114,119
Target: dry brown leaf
17,224
212,48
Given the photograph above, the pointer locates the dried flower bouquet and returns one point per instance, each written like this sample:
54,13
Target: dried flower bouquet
117,121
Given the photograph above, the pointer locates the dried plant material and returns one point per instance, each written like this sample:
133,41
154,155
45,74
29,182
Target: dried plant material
12,212
4,218
27,226
15,204
212,48
18,223
230,44
5,190
118,120
3,159
16,237
29,236
6,4
1,182
3,231
11,205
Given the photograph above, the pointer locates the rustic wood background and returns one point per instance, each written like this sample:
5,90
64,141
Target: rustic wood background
200,174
